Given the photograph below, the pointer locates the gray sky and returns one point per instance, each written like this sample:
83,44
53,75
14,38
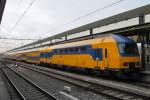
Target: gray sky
46,17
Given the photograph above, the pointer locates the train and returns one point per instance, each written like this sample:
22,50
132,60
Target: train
109,55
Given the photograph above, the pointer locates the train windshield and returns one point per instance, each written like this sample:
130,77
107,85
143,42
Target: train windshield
128,49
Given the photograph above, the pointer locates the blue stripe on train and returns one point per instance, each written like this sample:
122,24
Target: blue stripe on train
95,53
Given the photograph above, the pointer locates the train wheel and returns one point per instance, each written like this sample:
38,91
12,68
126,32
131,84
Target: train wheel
88,71
106,73
120,75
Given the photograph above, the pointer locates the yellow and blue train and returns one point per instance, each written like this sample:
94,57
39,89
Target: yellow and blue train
111,55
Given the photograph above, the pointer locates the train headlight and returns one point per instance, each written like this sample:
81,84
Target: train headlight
137,64
125,64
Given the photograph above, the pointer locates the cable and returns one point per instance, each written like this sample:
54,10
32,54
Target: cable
24,13
78,18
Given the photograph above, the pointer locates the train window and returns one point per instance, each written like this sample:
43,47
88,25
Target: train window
96,53
76,50
41,54
60,51
63,51
70,50
55,51
46,55
128,49
105,53
83,49
66,50
49,54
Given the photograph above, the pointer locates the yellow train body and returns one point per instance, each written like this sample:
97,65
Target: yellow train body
30,57
113,53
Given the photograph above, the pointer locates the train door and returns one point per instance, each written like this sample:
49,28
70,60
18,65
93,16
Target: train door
98,56
106,58
46,58
49,56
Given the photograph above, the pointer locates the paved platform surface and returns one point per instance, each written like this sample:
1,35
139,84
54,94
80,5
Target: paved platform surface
147,72
148,66
3,91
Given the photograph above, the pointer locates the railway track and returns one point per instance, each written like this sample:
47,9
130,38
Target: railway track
25,88
13,93
99,88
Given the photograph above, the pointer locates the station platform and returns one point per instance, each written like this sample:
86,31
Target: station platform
3,90
147,69
146,72
147,66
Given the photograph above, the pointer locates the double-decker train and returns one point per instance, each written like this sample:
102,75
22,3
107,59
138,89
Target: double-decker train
110,55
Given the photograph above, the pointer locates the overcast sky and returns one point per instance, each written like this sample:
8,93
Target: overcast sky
47,17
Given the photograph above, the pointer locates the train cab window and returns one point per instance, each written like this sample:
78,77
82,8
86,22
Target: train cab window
128,49
106,53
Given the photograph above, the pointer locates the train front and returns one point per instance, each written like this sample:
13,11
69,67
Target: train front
129,56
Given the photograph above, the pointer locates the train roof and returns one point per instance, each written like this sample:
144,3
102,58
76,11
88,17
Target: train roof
100,39
111,38
122,39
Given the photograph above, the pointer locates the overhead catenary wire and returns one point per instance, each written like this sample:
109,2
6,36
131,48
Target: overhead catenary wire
24,13
90,13
78,18
17,22
33,1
